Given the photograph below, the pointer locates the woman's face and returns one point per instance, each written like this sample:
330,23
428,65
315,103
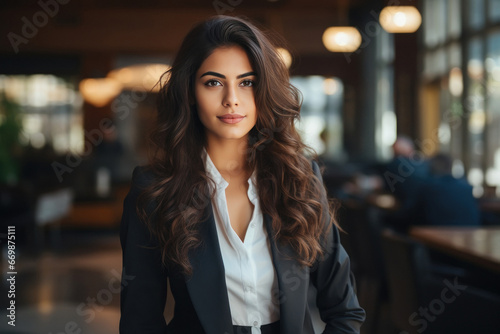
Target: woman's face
224,92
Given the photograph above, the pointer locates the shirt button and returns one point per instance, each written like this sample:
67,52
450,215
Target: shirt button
256,323
252,225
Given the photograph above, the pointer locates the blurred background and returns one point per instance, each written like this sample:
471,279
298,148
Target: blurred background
400,101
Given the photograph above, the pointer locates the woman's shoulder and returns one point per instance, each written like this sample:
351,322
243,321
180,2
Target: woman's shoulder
315,167
142,176
142,179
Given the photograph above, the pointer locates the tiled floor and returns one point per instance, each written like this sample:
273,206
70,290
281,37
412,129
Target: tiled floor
73,290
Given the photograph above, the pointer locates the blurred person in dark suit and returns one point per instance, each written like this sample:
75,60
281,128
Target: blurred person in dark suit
404,175
406,171
443,199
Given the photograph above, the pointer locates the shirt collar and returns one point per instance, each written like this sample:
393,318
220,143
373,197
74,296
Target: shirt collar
221,183
212,171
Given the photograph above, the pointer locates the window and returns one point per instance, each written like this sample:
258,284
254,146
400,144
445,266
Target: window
434,22
473,135
50,111
385,117
494,10
474,107
320,124
476,14
454,19
492,117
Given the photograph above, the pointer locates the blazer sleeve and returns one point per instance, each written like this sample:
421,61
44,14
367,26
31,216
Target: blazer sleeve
144,278
336,299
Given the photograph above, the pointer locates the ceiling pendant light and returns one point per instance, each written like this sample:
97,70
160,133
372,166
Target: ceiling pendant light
400,19
140,77
285,56
342,39
99,92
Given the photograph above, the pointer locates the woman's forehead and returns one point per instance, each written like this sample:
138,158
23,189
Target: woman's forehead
227,60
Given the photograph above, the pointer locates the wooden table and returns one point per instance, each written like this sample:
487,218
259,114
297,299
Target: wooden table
479,245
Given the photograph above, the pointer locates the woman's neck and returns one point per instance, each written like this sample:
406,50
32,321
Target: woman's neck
229,157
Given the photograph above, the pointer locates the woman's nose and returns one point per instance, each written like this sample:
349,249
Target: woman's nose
230,97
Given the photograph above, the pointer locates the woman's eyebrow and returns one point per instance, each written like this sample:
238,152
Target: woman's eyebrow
222,76
245,75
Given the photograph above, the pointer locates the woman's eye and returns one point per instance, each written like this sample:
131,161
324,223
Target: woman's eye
213,83
247,83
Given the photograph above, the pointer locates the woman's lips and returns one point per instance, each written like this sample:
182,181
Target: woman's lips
231,118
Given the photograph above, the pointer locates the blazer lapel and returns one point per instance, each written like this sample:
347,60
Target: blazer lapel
207,285
293,281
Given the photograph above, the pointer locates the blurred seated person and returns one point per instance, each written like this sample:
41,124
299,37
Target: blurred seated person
406,171
444,200
403,176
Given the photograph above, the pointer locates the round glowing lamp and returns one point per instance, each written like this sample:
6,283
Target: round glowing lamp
342,39
141,77
99,92
286,56
400,19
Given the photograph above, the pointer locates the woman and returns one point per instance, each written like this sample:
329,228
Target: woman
230,210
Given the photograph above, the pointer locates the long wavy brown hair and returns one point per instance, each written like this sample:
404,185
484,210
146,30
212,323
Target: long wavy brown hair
288,190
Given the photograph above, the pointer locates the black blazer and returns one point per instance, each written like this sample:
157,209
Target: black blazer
201,302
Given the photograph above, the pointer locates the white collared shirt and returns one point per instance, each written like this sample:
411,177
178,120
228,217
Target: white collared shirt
251,280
